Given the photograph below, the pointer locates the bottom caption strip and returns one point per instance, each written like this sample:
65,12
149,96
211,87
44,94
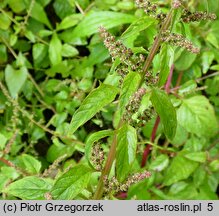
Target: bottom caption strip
131,207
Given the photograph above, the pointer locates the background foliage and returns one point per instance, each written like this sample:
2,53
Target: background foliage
52,57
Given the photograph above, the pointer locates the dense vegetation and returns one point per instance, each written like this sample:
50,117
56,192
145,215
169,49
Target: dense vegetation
109,99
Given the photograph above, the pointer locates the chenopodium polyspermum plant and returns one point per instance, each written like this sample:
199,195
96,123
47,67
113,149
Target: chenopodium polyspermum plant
143,95
115,158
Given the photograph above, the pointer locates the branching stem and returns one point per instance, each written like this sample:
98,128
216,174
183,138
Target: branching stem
112,152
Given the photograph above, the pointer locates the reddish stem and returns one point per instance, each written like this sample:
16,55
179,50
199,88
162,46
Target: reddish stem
148,147
122,195
169,79
157,122
7,162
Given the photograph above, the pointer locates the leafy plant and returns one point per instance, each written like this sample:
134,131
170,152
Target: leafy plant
77,124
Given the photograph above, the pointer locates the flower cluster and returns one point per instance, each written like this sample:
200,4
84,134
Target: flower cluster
144,117
150,9
97,157
179,40
147,6
151,79
188,16
114,186
134,104
176,4
53,168
117,49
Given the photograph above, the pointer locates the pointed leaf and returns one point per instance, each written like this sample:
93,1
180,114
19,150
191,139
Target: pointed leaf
71,183
125,151
69,21
160,163
166,60
93,20
133,31
197,156
92,104
197,116
29,188
55,50
166,111
180,168
39,14
29,163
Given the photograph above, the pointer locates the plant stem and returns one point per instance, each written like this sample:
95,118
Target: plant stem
105,172
169,79
156,45
112,152
148,148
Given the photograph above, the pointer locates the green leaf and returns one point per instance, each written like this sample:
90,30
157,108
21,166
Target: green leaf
69,21
10,172
94,138
71,183
206,192
214,165
17,5
5,21
15,79
93,20
132,32
39,14
93,103
212,38
29,163
197,156
166,111
180,136
40,53
160,163
99,53
199,176
58,149
64,8
184,191
125,151
129,87
55,50
188,86
69,51
166,58
187,57
3,54
3,181
197,116
180,168
29,188
207,59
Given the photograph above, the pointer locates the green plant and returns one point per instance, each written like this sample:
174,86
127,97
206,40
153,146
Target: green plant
75,125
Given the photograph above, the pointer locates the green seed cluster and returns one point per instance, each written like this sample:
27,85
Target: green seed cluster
134,104
197,16
97,157
112,185
147,6
151,79
180,41
117,49
144,117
